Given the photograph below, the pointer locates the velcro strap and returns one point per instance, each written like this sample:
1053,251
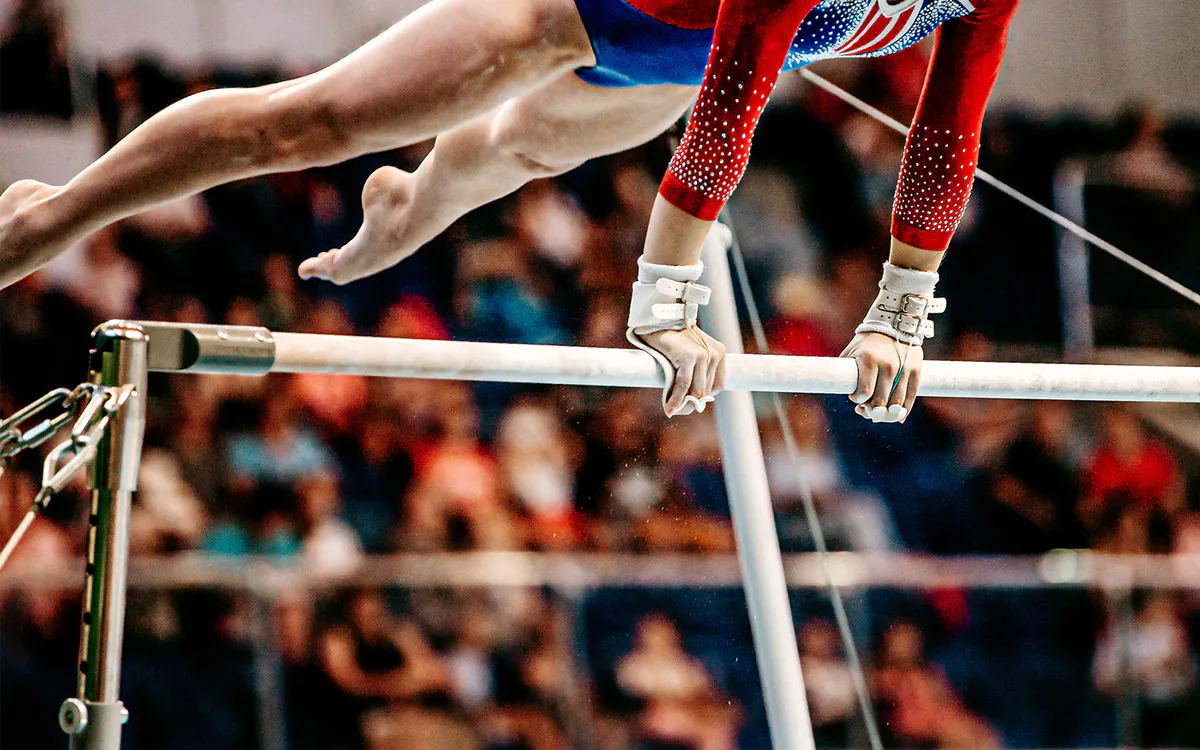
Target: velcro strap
666,305
688,312
688,291
904,317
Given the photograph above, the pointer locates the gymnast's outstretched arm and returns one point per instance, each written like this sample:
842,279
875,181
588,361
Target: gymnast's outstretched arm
935,182
446,63
937,175
750,43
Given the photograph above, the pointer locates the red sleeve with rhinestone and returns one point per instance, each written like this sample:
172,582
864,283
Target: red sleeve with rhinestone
942,151
750,44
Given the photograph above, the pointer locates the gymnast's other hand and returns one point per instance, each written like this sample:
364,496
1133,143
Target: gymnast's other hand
881,396
699,362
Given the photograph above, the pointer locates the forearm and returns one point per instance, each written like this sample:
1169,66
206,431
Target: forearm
674,237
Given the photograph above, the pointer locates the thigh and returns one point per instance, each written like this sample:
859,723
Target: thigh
445,63
571,120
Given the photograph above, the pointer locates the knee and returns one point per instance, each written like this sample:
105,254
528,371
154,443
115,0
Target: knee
535,144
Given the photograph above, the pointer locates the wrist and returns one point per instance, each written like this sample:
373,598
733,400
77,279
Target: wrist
902,308
650,273
905,255
666,297
674,237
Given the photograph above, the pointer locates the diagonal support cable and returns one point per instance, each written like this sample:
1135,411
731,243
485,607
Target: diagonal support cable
1012,192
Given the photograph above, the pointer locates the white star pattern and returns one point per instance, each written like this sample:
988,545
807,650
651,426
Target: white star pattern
936,177
715,150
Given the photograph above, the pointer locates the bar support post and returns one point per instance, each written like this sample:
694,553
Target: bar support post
94,718
754,522
1074,265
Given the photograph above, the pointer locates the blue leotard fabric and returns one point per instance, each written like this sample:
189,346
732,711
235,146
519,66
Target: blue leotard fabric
633,49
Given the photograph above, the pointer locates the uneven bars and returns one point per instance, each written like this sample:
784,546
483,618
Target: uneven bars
257,351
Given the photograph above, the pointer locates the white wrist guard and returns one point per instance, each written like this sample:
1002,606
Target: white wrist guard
904,305
666,298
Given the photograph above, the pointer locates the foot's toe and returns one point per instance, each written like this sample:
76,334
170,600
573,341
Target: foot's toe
320,267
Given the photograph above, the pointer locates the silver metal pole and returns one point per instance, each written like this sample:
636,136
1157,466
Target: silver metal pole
268,668
754,523
1074,275
94,719
1128,704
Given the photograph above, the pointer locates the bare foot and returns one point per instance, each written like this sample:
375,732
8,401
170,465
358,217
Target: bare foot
381,242
21,252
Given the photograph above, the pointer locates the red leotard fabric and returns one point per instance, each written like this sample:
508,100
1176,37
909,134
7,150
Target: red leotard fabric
686,14
751,42
942,151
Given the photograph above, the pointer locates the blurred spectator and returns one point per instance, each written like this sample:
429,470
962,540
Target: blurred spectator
279,450
1153,661
457,499
100,278
45,339
617,479
380,666
377,474
470,662
832,702
800,326
920,706
538,457
283,301
412,317
550,222
658,668
192,437
500,299
167,515
1129,468
851,519
1032,492
1146,163
34,76
330,544
680,706
266,523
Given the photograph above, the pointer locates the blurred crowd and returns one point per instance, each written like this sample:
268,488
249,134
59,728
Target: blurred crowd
323,472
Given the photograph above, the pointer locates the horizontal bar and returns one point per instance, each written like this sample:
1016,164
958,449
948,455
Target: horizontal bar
1063,568
517,363
233,349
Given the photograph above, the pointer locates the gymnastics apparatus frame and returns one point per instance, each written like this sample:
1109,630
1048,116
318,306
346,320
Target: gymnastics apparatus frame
125,352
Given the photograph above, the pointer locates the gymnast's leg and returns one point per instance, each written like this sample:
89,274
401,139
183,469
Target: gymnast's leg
444,64
543,133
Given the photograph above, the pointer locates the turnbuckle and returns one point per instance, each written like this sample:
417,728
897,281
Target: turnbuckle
78,450
83,444
13,440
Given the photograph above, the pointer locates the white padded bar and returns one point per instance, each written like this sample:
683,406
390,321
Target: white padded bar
561,365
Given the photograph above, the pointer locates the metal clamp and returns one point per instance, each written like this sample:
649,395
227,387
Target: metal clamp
85,438
103,403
